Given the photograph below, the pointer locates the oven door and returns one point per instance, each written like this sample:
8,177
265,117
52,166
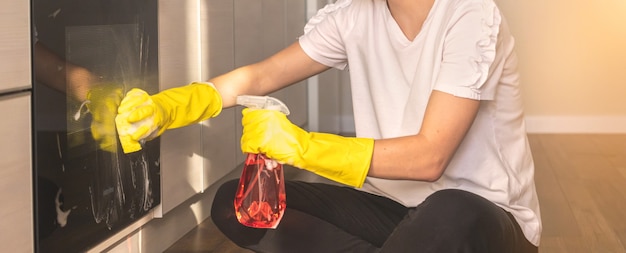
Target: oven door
87,54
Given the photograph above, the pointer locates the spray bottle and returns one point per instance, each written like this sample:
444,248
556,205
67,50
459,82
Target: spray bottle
260,199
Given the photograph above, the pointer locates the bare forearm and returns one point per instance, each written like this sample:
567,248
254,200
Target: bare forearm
49,68
426,155
408,158
236,82
55,72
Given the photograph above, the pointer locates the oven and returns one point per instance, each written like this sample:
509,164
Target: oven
86,54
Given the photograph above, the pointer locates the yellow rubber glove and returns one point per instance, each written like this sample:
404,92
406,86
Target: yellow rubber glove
342,159
143,117
102,101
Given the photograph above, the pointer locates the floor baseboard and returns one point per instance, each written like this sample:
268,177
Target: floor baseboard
576,124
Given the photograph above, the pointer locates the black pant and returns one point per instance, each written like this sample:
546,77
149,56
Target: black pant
322,218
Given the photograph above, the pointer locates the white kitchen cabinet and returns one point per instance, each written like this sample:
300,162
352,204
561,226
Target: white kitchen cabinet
262,28
179,58
295,96
219,140
199,40
16,173
14,45
329,101
248,46
16,188
283,22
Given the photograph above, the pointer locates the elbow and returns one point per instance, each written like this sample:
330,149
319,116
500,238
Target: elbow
434,170
432,175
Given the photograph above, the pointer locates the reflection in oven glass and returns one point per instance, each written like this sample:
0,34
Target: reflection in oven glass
86,55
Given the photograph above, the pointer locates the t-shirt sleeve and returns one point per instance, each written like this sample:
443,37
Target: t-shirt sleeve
470,50
322,40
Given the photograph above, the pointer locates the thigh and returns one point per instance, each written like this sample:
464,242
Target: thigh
319,218
458,221
368,216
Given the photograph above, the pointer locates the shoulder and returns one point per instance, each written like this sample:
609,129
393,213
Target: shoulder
350,7
487,8
465,6
468,3
342,12
480,13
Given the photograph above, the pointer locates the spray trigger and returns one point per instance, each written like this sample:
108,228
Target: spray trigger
262,102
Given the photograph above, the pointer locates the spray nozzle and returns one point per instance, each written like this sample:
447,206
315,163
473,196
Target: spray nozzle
262,102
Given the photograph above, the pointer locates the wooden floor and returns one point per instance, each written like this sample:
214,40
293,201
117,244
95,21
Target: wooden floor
581,183
205,238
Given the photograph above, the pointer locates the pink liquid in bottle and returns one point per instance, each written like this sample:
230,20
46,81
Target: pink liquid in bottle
260,199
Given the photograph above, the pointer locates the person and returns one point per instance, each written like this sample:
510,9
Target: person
441,161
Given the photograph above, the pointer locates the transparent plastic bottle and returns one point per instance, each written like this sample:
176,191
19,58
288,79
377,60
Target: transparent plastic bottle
260,200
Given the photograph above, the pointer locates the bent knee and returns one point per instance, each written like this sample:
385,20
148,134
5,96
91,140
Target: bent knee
462,207
222,208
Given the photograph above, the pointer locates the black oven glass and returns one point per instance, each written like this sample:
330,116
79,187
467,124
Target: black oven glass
86,53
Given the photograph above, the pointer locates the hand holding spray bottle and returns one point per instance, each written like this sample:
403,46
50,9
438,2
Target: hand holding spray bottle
260,199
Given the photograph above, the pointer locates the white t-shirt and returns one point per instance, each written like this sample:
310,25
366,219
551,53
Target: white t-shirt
465,49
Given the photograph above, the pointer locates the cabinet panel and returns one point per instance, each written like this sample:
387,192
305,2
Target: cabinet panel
273,26
219,141
217,31
179,64
16,173
329,101
248,30
259,34
294,96
15,44
219,146
181,165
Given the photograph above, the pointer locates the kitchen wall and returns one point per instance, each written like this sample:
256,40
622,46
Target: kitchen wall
573,63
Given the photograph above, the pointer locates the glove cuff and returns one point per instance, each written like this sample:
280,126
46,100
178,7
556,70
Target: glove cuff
189,104
342,159
216,104
216,97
